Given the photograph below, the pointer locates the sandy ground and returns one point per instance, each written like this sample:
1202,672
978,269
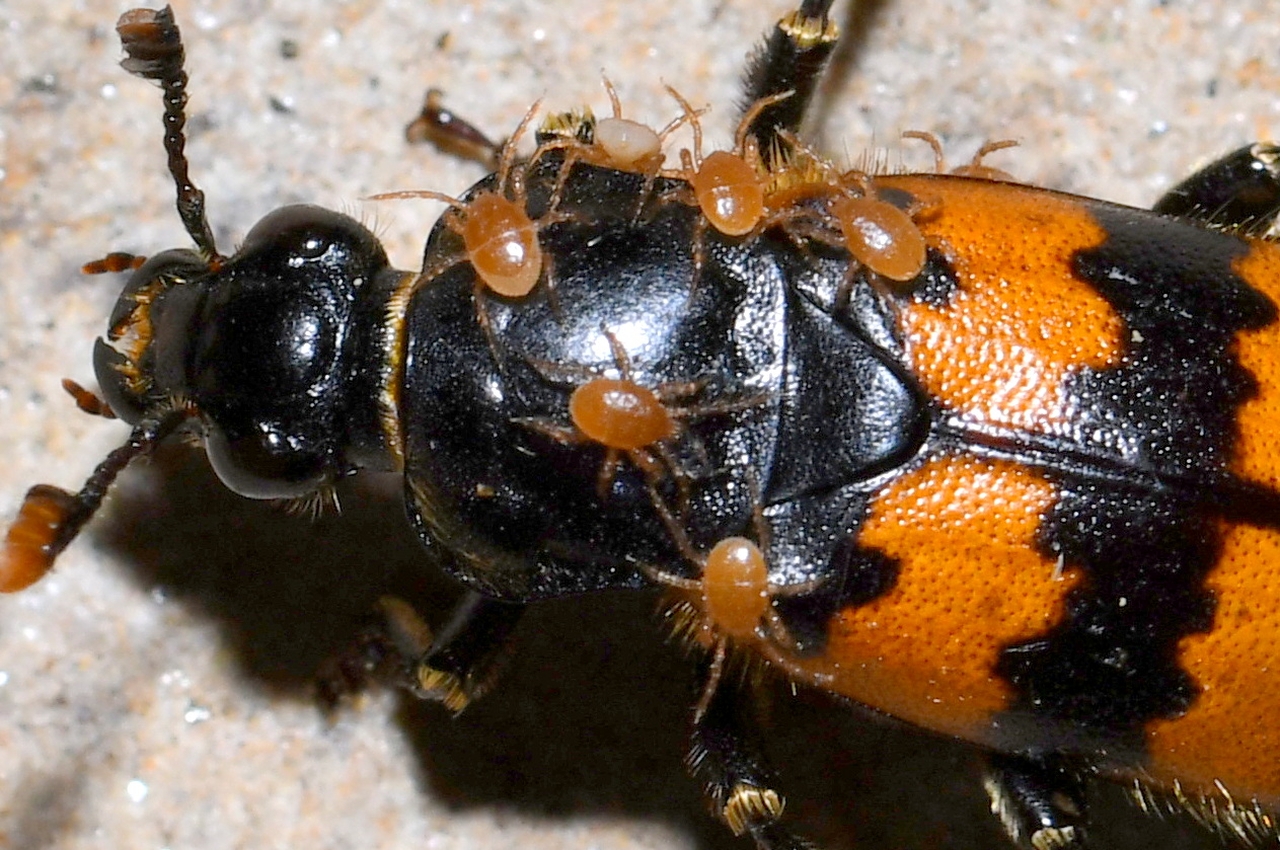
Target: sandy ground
155,691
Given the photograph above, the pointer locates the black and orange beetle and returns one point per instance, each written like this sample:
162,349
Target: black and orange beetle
1020,493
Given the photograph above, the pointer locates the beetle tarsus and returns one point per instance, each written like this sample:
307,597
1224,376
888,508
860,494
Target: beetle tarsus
453,667
466,656
1040,803
738,782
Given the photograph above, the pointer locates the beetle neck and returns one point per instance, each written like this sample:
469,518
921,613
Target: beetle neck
376,349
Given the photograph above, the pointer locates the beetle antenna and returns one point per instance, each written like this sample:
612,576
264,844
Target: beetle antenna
155,52
50,517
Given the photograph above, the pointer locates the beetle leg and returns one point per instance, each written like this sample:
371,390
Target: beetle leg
790,60
1039,802
737,781
466,656
452,667
774,836
448,132
389,642
1242,189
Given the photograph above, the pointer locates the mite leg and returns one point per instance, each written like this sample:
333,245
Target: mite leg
1242,189
1040,803
737,780
790,60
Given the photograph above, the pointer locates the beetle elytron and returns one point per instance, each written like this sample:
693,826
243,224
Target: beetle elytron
993,460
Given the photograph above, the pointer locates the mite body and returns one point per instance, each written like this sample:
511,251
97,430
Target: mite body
1026,496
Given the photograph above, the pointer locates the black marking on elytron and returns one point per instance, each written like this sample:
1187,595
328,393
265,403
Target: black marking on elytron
866,574
1170,406
853,576
1249,503
856,576
1166,411
937,283
900,198
1111,665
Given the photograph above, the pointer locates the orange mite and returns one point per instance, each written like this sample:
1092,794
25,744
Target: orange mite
730,603
499,239
974,167
631,420
735,586
626,418
617,143
620,414
879,235
728,186
502,244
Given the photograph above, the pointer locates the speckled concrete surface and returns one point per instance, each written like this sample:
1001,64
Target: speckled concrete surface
154,692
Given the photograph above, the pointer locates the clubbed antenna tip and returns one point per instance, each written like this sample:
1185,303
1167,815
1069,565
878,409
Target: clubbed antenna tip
50,517
154,51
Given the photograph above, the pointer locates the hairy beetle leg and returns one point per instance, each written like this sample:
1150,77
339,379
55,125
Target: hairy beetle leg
1039,803
467,654
1241,189
452,667
736,779
792,60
